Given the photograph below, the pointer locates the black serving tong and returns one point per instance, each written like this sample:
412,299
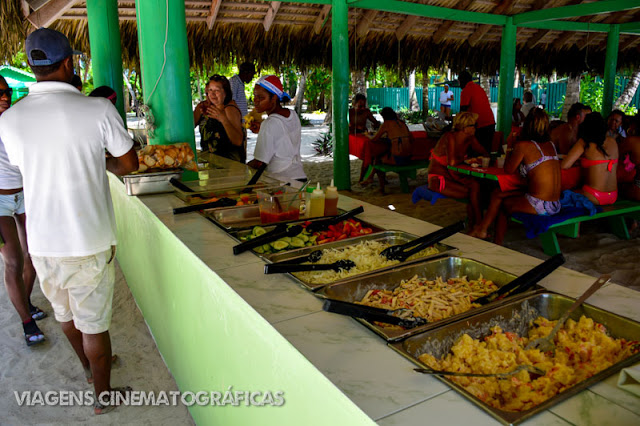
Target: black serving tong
222,202
530,368
402,252
278,232
321,225
254,179
524,281
312,257
283,268
371,313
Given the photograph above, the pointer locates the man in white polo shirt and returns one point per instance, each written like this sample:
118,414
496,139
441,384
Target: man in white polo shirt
57,137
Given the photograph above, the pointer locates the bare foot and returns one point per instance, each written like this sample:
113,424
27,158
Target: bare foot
477,232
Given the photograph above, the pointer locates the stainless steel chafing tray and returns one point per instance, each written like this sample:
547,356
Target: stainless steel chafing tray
150,183
389,237
353,290
228,186
238,234
236,219
515,317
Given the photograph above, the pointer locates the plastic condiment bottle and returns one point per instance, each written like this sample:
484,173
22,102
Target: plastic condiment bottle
317,202
331,200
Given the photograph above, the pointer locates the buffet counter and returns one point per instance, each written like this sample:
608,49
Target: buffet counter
221,324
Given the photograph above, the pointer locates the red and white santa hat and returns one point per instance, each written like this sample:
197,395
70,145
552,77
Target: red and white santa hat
272,84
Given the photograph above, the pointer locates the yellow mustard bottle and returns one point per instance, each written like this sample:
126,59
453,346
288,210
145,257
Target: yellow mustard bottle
317,202
331,200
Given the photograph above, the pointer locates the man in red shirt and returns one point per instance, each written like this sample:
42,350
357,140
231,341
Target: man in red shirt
474,99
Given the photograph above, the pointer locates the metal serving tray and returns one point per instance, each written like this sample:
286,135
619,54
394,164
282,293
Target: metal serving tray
150,183
515,317
390,237
235,219
228,186
238,234
353,290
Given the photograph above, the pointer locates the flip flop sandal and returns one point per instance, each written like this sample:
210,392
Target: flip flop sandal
89,375
99,409
32,334
37,314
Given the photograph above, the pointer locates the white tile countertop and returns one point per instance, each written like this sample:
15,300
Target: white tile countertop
378,380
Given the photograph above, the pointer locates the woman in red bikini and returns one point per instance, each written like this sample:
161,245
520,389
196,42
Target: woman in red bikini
451,150
536,158
599,159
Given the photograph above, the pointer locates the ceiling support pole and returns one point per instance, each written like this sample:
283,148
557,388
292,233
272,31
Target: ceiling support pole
610,65
340,95
164,58
106,50
507,67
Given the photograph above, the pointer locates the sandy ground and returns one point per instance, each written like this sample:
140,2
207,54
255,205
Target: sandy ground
54,366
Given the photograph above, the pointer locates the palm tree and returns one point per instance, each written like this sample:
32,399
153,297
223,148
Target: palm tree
629,91
572,96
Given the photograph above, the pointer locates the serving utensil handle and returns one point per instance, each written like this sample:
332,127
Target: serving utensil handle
525,281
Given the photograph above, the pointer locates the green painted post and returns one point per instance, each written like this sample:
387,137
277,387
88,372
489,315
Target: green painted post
507,67
164,57
340,97
106,51
610,65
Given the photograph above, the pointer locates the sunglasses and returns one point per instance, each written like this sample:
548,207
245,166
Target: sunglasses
8,92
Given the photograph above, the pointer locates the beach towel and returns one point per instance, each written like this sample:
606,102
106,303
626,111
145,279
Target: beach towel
573,205
424,193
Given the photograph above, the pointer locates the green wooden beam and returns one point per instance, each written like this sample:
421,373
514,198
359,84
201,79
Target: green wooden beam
428,11
630,27
585,9
340,93
507,69
568,26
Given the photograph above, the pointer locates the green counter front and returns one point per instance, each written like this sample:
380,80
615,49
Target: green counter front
221,324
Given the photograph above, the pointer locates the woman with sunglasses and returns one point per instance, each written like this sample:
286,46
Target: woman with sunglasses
451,150
280,135
220,121
19,273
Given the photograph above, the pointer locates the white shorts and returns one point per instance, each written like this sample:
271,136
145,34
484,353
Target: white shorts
12,204
79,288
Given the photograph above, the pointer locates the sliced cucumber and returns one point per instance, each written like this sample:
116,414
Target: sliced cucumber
313,238
259,250
258,230
303,237
297,242
266,248
287,239
279,245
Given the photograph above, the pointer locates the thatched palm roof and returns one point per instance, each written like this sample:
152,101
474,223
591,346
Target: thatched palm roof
300,34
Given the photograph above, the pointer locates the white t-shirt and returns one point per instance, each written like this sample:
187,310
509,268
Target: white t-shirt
278,145
57,137
10,177
527,107
444,98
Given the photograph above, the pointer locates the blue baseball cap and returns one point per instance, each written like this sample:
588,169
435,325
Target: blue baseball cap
53,44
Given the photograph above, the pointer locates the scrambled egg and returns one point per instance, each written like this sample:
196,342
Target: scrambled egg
583,349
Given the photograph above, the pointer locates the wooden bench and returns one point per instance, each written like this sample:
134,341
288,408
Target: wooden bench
404,172
615,215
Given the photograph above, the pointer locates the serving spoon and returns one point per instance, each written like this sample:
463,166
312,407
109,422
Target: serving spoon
545,344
